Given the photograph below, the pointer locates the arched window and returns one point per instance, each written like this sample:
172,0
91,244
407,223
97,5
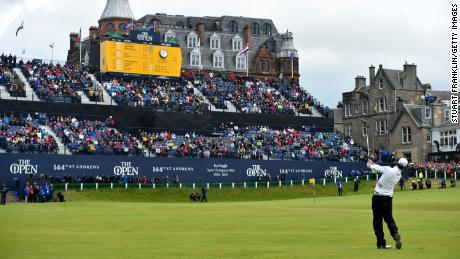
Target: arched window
109,26
267,29
255,28
122,26
232,27
179,25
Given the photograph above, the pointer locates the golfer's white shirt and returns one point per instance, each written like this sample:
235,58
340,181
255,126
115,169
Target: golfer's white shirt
387,182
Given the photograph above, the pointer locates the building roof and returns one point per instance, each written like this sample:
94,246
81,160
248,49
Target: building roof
211,22
395,77
415,112
117,9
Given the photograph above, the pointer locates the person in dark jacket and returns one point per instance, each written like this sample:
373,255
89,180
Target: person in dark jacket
3,191
204,196
356,184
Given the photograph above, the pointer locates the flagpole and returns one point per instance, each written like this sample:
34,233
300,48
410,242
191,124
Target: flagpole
247,63
52,52
22,44
80,45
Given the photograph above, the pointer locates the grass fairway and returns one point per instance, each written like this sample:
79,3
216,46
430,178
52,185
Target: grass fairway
332,227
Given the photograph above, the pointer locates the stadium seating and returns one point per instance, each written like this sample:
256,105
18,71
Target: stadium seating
167,95
259,96
93,136
254,143
56,83
22,134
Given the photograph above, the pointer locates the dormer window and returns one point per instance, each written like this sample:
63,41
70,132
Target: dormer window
215,41
381,83
192,40
218,59
237,43
195,58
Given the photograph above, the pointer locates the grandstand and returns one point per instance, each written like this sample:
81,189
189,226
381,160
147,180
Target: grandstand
153,106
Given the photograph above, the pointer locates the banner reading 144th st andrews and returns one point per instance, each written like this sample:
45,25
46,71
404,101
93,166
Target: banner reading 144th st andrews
189,170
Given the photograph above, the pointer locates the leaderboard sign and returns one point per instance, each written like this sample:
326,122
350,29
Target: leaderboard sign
140,58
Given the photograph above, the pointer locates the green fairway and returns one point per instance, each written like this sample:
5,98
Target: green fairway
328,227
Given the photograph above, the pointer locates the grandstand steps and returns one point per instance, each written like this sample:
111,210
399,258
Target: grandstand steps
107,99
141,146
315,112
83,97
30,93
205,100
230,107
62,149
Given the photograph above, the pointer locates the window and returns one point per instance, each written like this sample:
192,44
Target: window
381,83
364,107
428,137
381,127
267,29
192,40
448,139
122,26
364,128
255,28
195,58
237,43
218,59
406,135
348,129
240,61
232,27
446,115
264,66
347,110
179,25
427,113
215,41
382,104
109,26
408,156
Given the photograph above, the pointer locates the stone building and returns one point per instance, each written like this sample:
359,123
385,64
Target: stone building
390,113
207,43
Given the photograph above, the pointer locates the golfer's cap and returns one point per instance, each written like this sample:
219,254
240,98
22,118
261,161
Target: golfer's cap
403,162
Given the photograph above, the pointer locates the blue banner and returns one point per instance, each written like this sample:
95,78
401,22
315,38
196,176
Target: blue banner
189,170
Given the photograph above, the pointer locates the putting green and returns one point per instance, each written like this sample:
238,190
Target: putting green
330,227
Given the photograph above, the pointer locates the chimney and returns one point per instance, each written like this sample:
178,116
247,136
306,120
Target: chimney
436,114
360,81
410,78
247,35
200,27
73,39
371,75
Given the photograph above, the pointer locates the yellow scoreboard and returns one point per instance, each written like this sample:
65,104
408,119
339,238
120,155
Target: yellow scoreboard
143,59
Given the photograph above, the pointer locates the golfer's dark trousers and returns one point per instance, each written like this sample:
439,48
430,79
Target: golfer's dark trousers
382,208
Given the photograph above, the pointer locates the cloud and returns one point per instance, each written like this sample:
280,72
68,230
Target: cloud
336,39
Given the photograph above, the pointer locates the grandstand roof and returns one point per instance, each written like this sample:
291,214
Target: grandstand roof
117,9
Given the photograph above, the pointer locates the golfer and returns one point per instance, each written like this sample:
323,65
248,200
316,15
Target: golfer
382,201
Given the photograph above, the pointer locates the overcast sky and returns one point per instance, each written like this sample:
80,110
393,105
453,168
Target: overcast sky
336,39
